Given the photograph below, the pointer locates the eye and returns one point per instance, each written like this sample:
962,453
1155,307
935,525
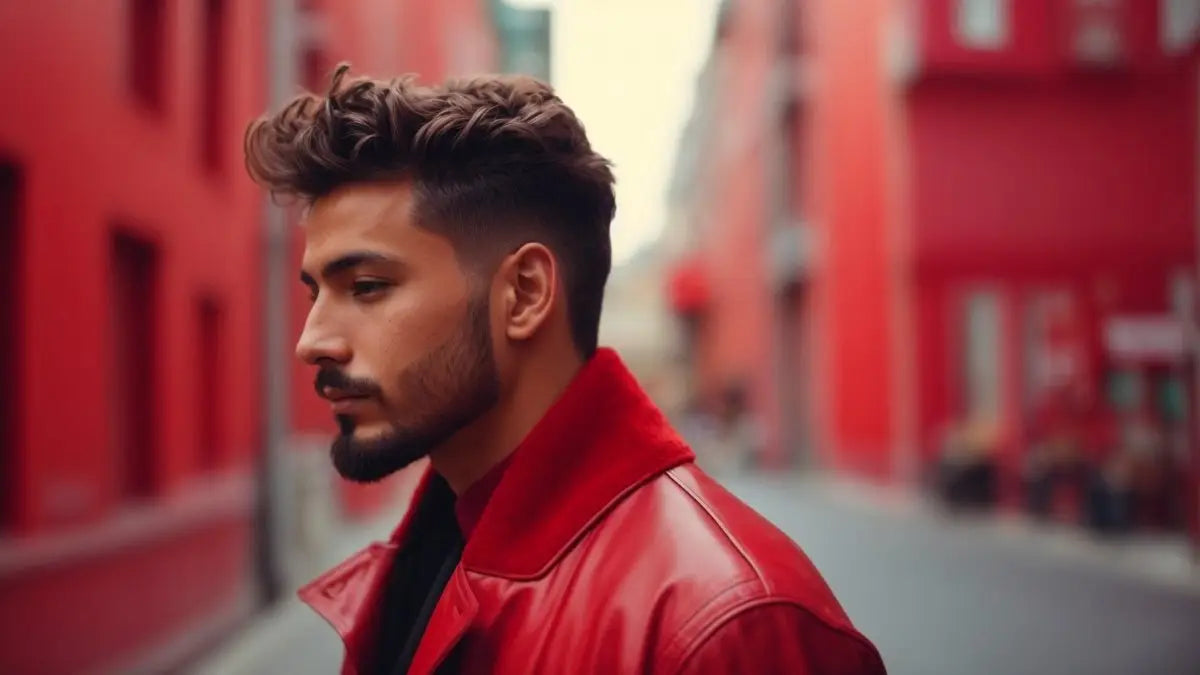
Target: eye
368,289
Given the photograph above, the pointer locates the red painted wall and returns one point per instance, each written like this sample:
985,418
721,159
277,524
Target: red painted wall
1018,169
854,302
735,343
93,157
1068,175
845,362
849,310
73,618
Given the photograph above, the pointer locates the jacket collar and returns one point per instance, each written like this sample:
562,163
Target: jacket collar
601,439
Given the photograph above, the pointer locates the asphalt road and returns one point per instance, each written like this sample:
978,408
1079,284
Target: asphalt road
940,598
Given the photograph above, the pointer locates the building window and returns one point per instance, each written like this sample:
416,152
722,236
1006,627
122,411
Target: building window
982,24
147,51
981,352
795,126
134,397
209,329
792,43
316,67
1054,350
316,71
1179,24
1096,31
212,97
10,358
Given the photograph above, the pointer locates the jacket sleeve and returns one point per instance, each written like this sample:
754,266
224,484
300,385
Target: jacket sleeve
780,639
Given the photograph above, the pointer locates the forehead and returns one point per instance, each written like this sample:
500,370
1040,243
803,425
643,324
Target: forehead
374,217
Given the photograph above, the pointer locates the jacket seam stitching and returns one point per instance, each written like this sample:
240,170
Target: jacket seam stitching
679,642
733,541
737,611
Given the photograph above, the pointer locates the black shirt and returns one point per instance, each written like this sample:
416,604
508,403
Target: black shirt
432,548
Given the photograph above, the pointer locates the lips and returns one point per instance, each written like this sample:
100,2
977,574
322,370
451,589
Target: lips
348,404
343,401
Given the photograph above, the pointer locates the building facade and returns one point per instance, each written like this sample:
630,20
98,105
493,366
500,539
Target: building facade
130,329
921,219
132,322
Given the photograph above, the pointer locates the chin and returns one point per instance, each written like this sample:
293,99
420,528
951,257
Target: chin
370,432
368,455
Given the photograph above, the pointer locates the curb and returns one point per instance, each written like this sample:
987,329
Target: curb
1157,560
245,652
266,633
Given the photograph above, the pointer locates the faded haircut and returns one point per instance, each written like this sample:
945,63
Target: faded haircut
494,162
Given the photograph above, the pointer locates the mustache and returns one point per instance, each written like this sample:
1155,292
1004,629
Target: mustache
331,377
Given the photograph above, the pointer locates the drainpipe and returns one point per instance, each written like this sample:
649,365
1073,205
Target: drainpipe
1194,343
272,513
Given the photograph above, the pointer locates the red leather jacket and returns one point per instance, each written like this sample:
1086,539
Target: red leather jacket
603,550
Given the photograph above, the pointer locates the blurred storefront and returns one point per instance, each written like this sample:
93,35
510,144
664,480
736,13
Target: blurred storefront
956,231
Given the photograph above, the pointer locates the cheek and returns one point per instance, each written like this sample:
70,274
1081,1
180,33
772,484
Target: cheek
408,327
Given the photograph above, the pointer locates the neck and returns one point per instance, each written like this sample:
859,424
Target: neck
489,440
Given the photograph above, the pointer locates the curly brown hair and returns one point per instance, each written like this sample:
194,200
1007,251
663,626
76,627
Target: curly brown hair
494,162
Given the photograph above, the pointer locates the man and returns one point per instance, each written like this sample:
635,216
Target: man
456,250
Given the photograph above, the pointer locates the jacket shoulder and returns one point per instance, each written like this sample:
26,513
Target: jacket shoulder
707,558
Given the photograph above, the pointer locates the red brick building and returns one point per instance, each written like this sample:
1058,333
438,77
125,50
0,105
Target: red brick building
912,214
130,318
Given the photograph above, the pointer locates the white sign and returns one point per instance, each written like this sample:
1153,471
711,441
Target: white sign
982,24
1179,23
1151,337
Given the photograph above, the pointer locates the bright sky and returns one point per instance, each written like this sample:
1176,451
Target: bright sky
627,68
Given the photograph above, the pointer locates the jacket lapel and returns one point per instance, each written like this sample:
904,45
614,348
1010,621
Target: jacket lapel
347,596
449,622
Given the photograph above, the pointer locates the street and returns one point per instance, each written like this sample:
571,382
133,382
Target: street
941,600
935,599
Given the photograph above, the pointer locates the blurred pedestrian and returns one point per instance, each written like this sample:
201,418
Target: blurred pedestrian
736,438
457,247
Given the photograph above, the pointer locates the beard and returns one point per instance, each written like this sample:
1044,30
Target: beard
446,390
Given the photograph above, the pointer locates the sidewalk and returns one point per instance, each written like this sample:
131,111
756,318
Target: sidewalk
290,637
1152,558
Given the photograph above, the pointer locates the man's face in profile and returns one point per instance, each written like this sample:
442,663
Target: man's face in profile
400,336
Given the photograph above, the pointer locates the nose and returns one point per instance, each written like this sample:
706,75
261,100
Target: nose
320,342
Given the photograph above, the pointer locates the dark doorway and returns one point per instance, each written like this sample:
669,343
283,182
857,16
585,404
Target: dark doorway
795,376
212,98
135,351
10,339
209,328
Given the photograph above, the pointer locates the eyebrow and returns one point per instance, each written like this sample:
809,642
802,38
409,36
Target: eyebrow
344,263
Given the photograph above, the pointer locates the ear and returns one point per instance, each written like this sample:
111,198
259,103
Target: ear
530,277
